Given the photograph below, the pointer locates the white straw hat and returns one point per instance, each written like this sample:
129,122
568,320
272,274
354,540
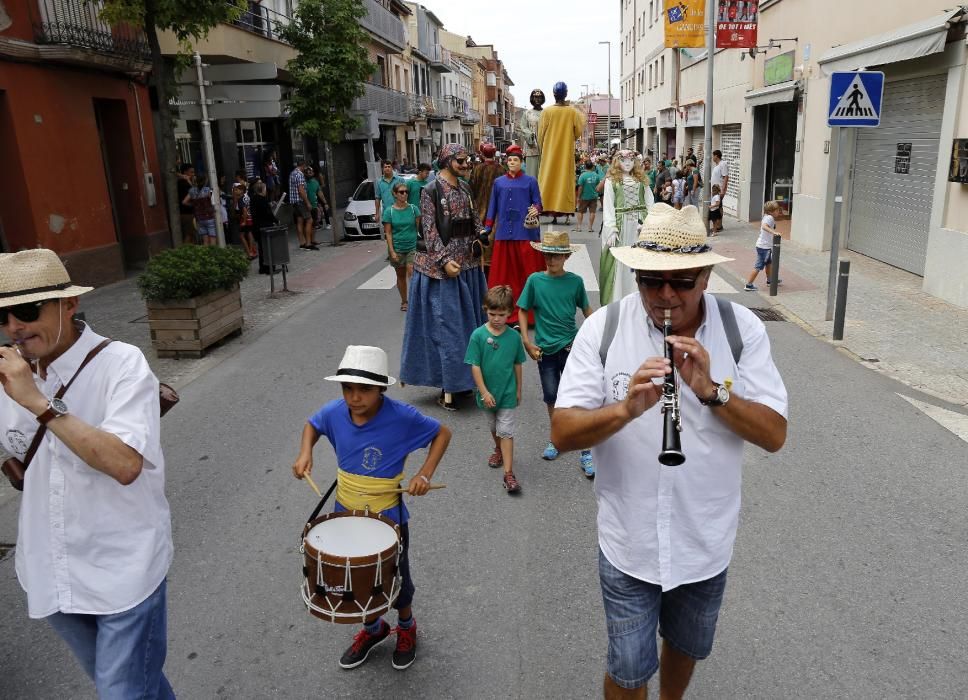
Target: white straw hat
363,364
670,239
34,275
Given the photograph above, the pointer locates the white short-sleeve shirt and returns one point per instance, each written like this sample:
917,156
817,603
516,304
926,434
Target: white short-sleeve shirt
668,525
720,172
86,544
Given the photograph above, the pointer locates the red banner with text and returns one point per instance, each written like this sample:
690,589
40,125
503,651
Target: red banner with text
736,24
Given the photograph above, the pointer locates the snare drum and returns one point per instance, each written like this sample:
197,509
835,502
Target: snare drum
350,566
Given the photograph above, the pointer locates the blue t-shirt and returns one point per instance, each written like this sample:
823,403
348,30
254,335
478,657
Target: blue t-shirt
379,447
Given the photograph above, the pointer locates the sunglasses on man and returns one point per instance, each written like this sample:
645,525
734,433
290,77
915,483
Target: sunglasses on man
25,313
460,161
655,282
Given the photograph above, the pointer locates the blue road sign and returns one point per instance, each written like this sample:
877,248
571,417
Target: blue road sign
855,98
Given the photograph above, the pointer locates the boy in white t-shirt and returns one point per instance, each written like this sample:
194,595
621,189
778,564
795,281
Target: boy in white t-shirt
764,244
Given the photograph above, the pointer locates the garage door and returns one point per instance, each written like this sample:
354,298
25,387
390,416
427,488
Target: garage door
730,141
890,209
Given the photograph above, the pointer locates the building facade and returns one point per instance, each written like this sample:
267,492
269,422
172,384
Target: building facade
770,110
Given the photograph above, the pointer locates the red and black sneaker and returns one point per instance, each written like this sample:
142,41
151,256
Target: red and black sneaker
406,651
511,483
362,643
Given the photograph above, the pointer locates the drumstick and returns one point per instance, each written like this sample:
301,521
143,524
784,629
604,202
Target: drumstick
312,483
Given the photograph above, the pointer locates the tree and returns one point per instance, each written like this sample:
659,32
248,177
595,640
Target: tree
188,20
328,72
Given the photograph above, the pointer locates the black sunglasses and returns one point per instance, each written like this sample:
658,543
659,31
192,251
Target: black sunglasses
399,192
460,161
678,284
26,313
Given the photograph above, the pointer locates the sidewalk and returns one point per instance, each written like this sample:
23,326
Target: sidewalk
117,310
891,326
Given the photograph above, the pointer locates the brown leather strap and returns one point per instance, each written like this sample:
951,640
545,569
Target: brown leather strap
39,435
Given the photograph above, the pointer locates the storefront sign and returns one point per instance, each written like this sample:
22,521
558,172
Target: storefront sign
592,117
667,118
778,69
902,159
736,24
695,115
958,172
685,24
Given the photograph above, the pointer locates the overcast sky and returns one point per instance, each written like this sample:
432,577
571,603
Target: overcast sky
542,41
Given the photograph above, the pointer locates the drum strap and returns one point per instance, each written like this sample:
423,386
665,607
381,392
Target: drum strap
322,501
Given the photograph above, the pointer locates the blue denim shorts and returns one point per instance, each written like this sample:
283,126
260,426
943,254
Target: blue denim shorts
764,256
685,618
550,368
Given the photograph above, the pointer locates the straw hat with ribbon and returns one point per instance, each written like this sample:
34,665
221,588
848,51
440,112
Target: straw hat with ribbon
555,242
363,364
35,275
670,239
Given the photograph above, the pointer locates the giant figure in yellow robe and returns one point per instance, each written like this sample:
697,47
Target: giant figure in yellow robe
560,126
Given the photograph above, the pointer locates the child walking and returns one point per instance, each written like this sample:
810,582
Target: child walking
764,244
372,436
554,295
200,199
496,357
716,210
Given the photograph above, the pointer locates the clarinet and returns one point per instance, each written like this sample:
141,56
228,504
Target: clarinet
671,455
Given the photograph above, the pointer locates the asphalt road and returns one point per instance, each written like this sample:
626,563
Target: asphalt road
847,579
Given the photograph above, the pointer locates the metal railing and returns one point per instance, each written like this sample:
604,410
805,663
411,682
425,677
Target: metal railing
390,105
263,21
77,23
472,117
438,56
458,107
384,24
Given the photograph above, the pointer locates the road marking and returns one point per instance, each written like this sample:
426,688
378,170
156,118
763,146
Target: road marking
384,279
580,263
717,285
955,422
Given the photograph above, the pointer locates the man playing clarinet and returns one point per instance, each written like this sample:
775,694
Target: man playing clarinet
666,533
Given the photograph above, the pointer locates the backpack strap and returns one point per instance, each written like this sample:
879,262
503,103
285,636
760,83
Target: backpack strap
732,329
612,313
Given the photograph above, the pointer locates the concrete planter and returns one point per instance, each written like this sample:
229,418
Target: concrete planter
186,327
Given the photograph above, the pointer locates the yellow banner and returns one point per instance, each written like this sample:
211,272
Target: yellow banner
685,24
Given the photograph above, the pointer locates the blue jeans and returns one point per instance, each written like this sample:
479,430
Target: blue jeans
123,653
550,368
685,617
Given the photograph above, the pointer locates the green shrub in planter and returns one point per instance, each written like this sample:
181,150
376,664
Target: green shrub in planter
191,271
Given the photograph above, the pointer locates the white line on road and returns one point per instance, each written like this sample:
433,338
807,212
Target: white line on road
955,422
384,279
581,264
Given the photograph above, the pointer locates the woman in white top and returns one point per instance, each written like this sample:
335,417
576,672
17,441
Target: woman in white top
626,204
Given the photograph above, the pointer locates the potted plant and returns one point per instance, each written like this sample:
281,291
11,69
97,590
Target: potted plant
193,298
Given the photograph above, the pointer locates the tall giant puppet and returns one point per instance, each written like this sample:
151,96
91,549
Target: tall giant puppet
532,154
482,182
560,126
628,199
513,198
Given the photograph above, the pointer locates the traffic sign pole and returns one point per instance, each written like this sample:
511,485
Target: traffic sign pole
210,153
835,232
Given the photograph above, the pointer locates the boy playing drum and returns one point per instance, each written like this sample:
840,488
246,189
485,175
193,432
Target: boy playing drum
372,435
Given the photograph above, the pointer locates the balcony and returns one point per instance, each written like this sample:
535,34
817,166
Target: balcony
472,117
384,25
391,106
263,21
76,24
438,57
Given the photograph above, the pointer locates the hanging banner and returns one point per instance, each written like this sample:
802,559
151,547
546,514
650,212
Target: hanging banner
685,24
736,24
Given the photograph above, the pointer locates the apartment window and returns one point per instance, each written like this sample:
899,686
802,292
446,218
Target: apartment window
662,70
650,76
651,12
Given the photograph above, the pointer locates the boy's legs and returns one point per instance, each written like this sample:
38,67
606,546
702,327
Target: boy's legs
591,216
504,436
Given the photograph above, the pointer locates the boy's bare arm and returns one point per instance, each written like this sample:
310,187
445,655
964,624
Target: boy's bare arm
486,396
420,483
587,311
519,377
534,352
304,462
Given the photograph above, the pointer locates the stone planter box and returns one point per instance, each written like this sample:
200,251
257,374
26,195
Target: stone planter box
185,328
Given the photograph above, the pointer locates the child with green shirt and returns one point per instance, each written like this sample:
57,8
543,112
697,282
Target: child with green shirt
554,295
496,357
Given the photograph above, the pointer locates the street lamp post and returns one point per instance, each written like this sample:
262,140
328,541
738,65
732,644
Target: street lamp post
608,132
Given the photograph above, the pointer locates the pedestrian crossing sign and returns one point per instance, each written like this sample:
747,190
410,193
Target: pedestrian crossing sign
856,98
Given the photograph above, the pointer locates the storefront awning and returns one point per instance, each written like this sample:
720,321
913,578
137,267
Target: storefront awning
913,41
783,92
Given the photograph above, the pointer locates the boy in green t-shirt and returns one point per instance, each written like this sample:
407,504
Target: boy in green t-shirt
554,295
496,357
415,185
587,193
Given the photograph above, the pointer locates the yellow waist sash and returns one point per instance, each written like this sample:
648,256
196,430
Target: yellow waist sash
358,492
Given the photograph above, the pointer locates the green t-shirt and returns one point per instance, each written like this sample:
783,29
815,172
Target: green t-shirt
497,355
384,190
312,191
403,224
600,169
415,186
554,300
588,181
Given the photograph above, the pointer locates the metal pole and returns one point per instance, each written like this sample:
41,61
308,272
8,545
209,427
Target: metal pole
775,264
707,157
608,131
835,232
841,311
209,152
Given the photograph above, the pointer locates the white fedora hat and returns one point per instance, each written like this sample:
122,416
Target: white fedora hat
34,275
363,364
670,239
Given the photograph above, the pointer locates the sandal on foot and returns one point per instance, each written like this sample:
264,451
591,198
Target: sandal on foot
510,483
496,459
